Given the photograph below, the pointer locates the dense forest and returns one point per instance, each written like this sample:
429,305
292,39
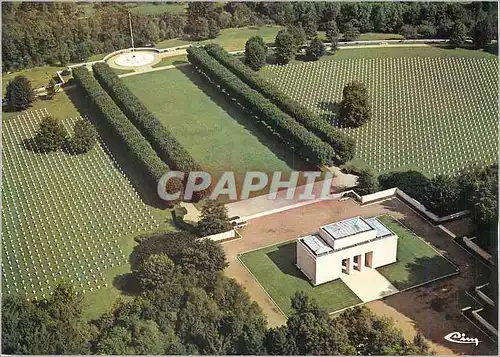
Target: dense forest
36,34
184,304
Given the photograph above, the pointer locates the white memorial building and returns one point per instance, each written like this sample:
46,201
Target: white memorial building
354,243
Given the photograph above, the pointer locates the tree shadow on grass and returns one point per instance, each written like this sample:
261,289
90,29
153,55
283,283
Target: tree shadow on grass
285,258
423,270
127,283
139,179
253,126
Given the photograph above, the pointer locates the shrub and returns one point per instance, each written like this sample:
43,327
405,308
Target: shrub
441,195
19,94
165,144
413,183
52,88
367,183
355,107
292,133
343,145
316,49
84,137
51,134
114,121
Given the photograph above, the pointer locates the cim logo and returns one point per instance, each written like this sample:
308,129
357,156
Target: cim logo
458,337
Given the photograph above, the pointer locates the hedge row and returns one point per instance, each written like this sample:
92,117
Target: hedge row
343,145
165,144
117,123
292,133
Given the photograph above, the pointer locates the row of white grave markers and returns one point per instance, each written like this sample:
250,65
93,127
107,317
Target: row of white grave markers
63,215
437,114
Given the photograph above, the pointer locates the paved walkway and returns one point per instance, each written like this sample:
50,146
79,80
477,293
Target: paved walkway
261,205
368,284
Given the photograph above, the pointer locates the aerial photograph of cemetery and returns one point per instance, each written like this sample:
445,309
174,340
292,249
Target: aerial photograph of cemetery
249,178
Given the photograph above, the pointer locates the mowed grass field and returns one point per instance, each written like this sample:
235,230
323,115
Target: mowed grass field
218,134
417,262
434,109
274,267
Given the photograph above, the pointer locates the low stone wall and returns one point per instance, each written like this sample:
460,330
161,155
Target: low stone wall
391,192
480,251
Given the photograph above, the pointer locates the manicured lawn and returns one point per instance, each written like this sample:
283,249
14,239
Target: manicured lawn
231,39
274,267
434,109
218,135
417,262
167,61
369,36
38,76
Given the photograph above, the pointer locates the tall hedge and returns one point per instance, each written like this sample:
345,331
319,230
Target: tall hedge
165,144
137,147
288,129
343,145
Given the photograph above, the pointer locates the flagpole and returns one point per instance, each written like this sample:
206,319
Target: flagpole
131,34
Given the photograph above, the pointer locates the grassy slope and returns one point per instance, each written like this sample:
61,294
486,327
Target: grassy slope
274,267
218,136
417,262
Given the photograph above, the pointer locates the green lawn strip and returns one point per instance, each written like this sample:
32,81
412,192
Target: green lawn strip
417,262
369,36
214,132
274,267
232,39
174,60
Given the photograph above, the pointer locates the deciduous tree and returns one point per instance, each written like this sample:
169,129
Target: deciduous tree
316,49
255,53
214,218
51,134
19,94
84,137
355,107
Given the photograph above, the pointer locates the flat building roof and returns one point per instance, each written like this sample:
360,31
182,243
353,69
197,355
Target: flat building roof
347,227
382,230
316,244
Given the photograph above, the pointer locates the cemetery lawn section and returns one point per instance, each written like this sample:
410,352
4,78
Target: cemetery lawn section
66,217
212,129
274,268
434,109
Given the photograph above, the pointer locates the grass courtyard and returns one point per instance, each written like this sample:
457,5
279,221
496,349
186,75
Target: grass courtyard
417,262
434,109
274,268
218,135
